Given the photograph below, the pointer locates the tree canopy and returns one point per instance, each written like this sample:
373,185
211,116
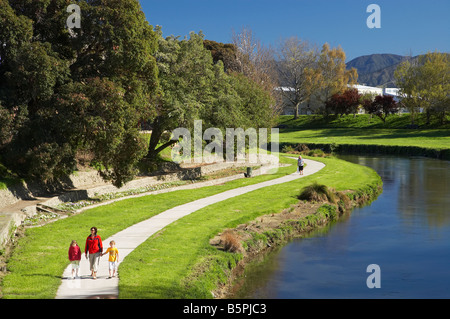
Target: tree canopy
194,86
424,83
68,91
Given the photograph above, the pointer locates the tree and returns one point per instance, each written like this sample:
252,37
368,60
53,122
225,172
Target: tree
382,106
407,80
255,103
296,60
434,82
344,103
194,87
46,71
256,61
424,83
186,73
330,75
225,52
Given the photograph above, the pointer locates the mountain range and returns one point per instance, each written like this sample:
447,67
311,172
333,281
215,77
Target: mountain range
377,69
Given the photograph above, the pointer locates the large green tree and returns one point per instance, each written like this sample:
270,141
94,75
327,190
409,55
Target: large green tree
75,90
194,86
186,73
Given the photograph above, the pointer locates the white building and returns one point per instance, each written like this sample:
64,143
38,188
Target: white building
362,89
313,106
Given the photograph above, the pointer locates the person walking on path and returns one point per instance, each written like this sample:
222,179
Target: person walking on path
75,258
113,258
301,165
94,247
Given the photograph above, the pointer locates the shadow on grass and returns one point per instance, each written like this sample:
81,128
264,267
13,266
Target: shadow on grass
373,133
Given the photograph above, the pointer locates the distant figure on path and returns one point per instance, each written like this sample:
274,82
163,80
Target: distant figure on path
75,257
94,247
113,258
301,165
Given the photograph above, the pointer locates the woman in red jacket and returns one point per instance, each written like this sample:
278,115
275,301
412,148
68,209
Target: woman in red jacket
94,247
75,257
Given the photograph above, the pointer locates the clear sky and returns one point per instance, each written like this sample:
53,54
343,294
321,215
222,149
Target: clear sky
407,26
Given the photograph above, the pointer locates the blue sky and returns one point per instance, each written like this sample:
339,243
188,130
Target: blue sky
406,26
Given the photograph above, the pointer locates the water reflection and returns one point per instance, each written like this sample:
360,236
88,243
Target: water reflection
406,231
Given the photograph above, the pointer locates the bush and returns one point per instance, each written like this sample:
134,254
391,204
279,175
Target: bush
317,193
231,242
316,153
288,149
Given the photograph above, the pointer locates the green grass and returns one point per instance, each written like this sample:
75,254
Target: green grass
359,121
180,263
162,267
40,258
432,139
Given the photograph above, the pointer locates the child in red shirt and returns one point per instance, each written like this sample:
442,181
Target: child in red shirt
75,257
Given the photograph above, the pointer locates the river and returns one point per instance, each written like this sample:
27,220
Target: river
406,232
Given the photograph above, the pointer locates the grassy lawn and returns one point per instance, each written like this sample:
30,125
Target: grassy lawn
435,139
180,263
361,130
359,121
41,256
161,267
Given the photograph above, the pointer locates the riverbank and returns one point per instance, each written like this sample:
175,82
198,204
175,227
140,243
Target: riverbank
180,262
177,262
260,236
405,231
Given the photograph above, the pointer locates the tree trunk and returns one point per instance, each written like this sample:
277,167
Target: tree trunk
157,131
428,113
296,111
413,117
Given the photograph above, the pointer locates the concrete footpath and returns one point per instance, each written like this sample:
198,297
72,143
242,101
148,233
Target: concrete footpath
130,238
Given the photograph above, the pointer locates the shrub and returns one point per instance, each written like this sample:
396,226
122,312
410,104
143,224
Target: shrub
316,153
317,193
288,149
231,242
303,148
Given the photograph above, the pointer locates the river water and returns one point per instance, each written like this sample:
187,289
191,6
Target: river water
406,232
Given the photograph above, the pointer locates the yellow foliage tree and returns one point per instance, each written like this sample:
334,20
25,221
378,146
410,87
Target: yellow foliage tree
330,75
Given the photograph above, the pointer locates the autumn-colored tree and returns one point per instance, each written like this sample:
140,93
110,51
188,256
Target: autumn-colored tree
424,83
344,103
330,75
310,75
382,106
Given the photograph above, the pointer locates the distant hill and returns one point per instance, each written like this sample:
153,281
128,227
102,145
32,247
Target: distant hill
377,69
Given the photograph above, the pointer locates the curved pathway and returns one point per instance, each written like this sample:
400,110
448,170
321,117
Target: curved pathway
132,237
